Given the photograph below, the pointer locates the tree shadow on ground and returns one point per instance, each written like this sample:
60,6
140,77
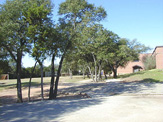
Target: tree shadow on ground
43,110
131,74
52,109
9,99
8,86
111,88
135,87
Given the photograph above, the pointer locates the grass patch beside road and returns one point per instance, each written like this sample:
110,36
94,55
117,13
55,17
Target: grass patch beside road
154,75
9,84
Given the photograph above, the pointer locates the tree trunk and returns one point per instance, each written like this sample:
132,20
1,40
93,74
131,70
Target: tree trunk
95,67
42,90
88,75
18,60
95,73
70,73
106,76
83,73
29,88
51,96
114,69
18,72
115,72
91,73
58,76
99,72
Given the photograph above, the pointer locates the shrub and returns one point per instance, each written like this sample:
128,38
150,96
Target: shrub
149,62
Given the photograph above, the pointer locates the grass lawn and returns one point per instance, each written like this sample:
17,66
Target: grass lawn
154,75
143,76
7,84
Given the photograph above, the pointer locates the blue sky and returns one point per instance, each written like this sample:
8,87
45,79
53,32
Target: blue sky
132,19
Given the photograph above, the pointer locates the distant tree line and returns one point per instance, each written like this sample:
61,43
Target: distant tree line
78,39
26,72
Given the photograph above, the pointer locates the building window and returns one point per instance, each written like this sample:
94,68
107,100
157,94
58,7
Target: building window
137,68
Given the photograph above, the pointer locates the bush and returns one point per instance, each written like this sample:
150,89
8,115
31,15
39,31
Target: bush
149,62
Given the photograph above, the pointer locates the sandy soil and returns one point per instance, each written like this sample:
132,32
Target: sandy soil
108,102
9,96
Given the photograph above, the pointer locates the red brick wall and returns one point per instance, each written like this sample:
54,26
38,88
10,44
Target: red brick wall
158,53
130,65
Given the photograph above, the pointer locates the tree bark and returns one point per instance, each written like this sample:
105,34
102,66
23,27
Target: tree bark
91,73
70,73
29,88
83,73
95,67
42,89
88,75
106,76
18,60
58,76
115,72
51,95
99,72
18,72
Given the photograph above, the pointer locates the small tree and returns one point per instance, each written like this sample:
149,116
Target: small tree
14,34
54,47
70,64
122,52
93,37
38,17
149,62
75,14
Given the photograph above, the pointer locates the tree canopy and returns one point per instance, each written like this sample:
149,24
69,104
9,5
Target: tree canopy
78,39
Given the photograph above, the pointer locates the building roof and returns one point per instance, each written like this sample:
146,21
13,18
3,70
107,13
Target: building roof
156,48
137,66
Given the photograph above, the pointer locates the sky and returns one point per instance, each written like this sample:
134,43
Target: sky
131,19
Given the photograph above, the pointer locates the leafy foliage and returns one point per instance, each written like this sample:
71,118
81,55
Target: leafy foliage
149,62
26,26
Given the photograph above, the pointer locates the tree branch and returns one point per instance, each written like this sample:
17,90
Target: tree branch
11,53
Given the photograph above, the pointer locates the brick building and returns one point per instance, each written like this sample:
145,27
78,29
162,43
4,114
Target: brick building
138,65
158,54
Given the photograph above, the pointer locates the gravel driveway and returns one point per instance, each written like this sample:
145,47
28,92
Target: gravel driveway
109,102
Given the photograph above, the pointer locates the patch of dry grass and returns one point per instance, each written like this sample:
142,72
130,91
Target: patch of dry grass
8,84
154,75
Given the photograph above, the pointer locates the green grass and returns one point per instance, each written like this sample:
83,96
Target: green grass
154,75
9,84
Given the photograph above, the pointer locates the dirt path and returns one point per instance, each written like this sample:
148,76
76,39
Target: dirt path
109,102
9,96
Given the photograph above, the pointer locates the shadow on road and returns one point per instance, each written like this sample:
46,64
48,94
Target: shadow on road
43,110
52,109
113,88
